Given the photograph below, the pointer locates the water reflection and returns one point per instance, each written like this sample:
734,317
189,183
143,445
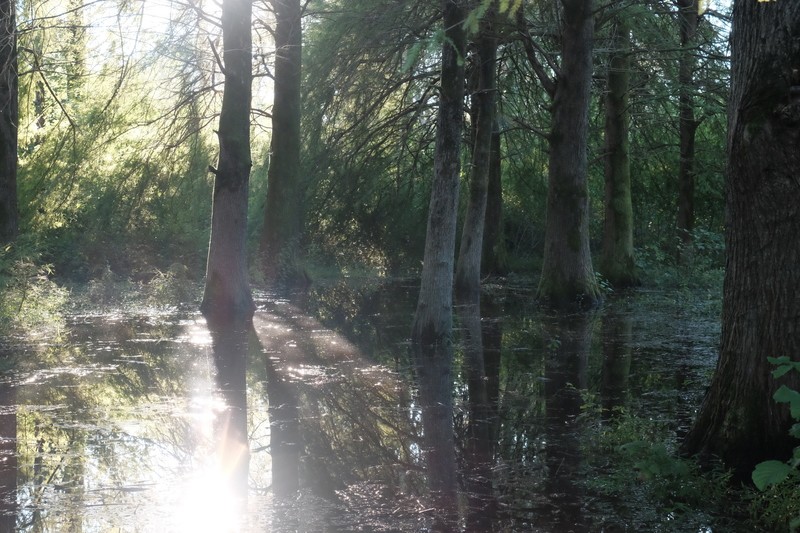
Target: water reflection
567,345
159,423
617,332
8,456
433,370
232,449
481,368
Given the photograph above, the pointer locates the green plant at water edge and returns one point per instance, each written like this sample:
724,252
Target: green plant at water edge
778,482
30,302
633,459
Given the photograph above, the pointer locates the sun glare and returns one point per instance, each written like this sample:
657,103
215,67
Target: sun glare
209,504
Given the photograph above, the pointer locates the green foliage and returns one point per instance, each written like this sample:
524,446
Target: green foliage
635,460
31,303
778,505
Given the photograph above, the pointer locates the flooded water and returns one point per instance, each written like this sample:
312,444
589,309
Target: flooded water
320,417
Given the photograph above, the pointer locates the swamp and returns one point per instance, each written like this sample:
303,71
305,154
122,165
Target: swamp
399,266
321,418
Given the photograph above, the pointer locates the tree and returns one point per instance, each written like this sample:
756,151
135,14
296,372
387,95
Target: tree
283,217
9,119
688,18
617,263
568,279
433,319
468,273
495,254
738,420
227,295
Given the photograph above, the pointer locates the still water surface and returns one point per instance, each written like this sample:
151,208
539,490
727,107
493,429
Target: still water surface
320,418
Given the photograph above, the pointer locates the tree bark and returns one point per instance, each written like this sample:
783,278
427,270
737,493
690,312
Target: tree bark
688,18
433,319
283,216
227,295
617,263
9,118
468,272
568,280
495,254
738,420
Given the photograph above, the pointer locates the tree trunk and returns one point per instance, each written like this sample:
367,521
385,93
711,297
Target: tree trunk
9,118
283,217
468,273
495,255
227,295
617,264
687,19
567,279
738,420
433,320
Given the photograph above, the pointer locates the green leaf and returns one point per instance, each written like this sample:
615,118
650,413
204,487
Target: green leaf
781,370
770,473
786,395
782,360
794,431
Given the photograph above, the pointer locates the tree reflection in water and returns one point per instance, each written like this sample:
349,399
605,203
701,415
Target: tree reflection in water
567,343
432,367
120,423
230,351
8,455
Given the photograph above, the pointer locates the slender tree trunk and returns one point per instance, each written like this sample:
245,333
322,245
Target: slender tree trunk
283,217
738,420
687,19
617,264
568,279
495,255
9,118
227,295
468,272
433,320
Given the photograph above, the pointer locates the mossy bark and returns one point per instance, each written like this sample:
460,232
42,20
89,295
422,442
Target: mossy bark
9,118
227,297
433,319
568,279
468,268
281,255
738,420
617,263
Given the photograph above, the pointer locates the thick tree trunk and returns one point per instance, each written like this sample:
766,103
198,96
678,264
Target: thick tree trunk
9,118
495,255
617,263
283,216
568,279
433,320
227,295
687,125
738,420
468,272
